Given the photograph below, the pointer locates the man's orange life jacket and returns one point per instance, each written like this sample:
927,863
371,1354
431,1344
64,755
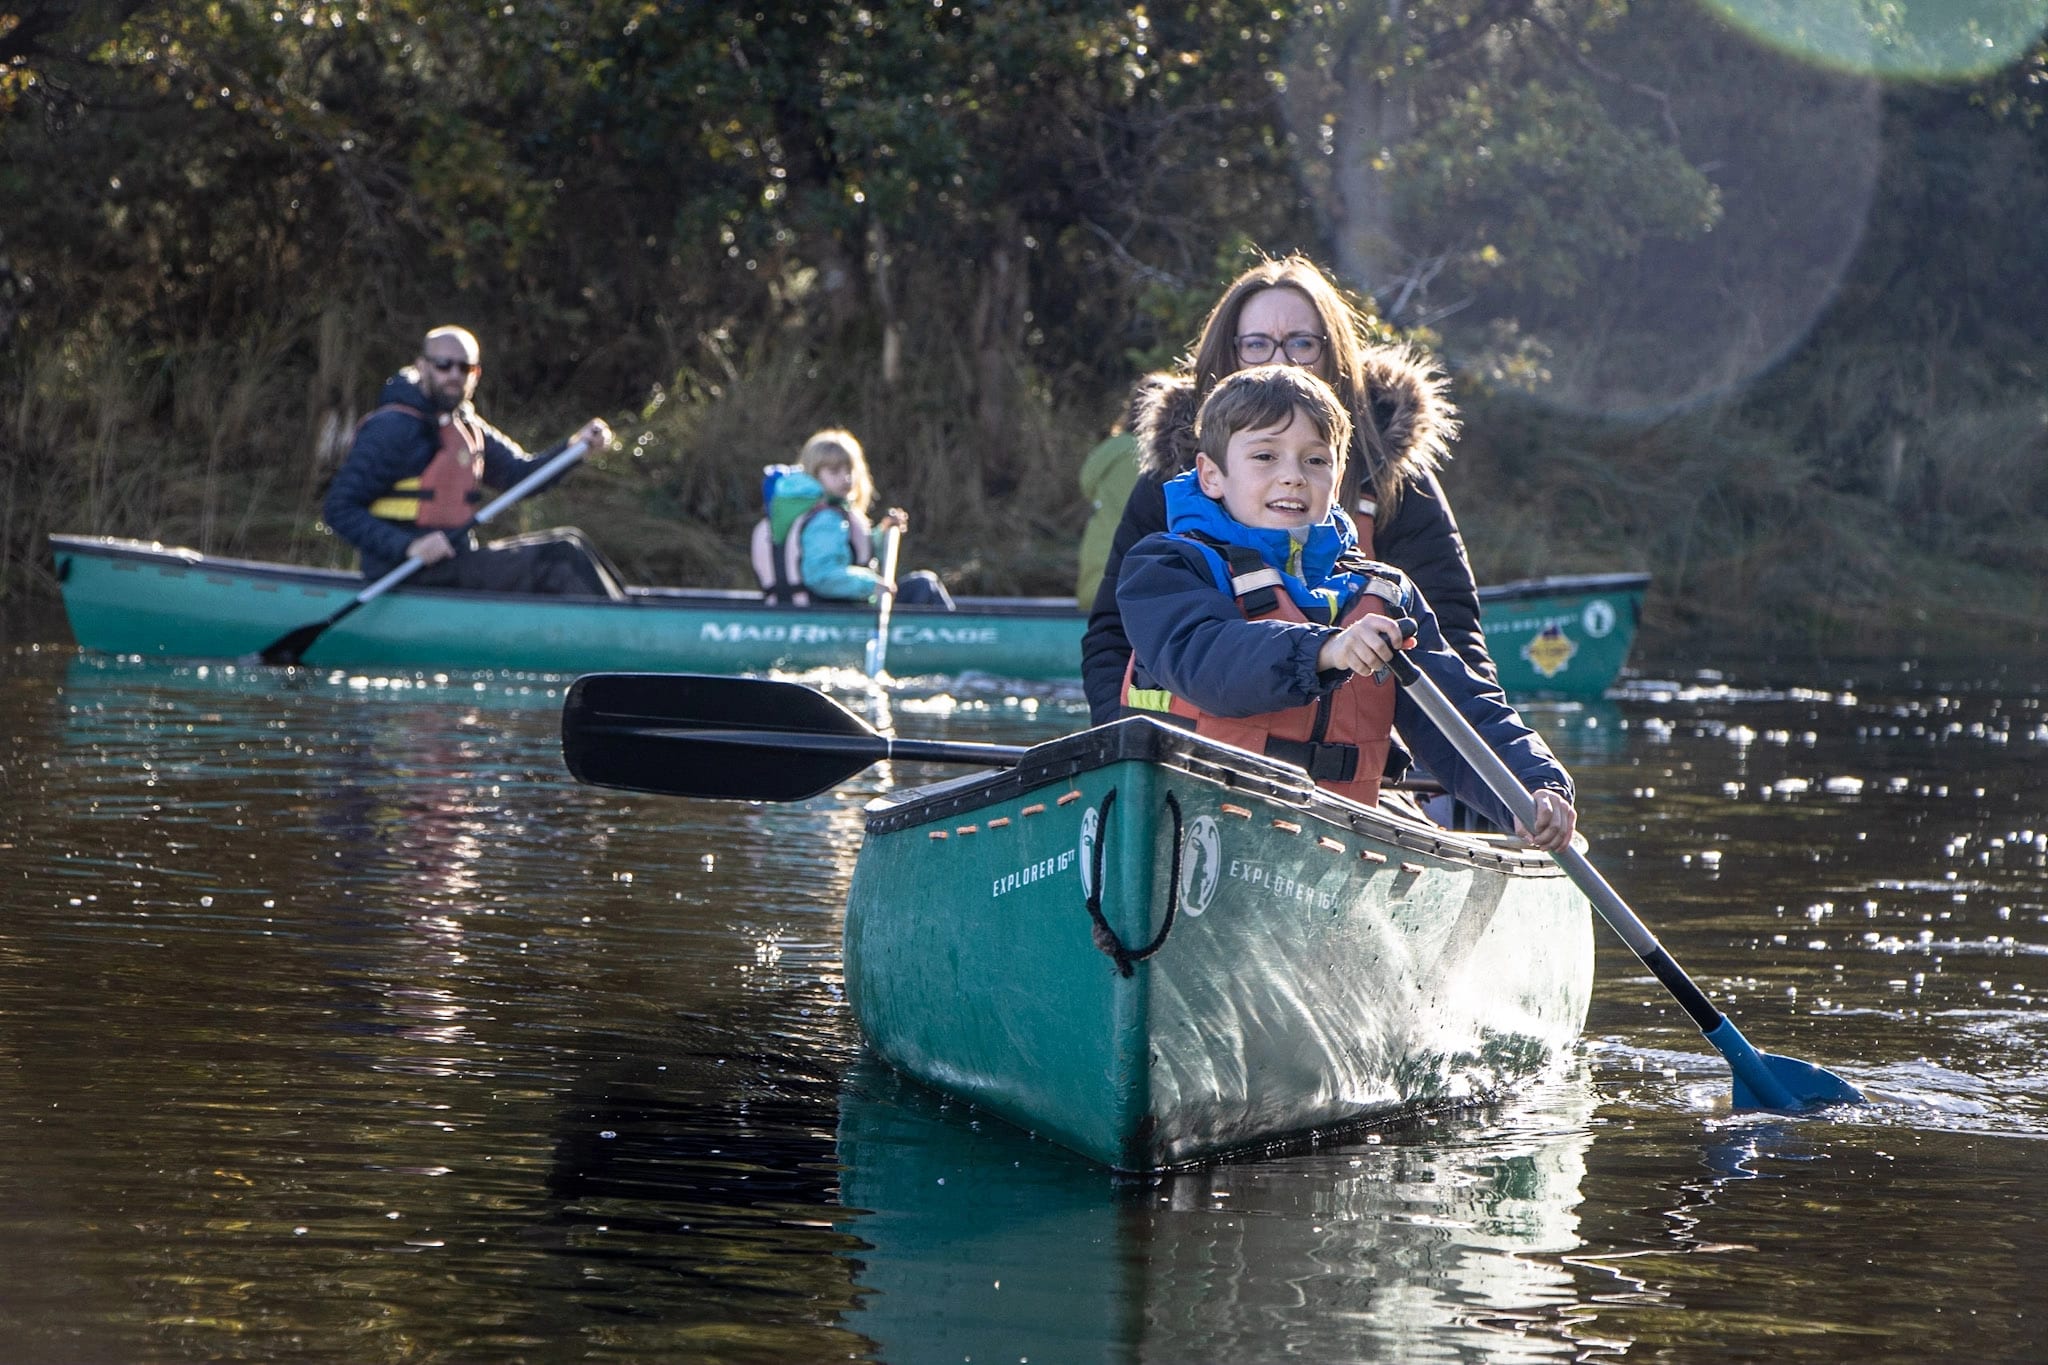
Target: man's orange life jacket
444,495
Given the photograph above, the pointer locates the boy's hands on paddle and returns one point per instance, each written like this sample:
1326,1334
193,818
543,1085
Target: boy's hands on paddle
895,518
1555,820
595,433
1365,646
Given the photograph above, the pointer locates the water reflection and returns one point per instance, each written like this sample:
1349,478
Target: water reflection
1434,1241
336,1025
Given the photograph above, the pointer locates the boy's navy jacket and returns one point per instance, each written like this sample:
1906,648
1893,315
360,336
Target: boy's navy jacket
1188,633
390,446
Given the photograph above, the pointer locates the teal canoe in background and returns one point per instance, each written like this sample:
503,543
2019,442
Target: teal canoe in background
1154,949
1565,637
142,598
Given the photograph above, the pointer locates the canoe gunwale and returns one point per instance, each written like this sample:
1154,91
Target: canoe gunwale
1141,739
650,598
1563,585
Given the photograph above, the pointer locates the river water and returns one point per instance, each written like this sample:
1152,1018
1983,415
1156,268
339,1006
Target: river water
338,1024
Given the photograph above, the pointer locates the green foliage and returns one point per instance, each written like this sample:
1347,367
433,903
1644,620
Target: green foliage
1546,193
1709,305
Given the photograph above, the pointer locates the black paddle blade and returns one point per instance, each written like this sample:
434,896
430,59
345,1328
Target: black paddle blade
287,649
717,738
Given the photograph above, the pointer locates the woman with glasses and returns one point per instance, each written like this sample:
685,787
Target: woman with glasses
1287,312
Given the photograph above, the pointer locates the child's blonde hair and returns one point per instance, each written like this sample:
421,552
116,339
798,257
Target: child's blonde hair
834,446
1268,396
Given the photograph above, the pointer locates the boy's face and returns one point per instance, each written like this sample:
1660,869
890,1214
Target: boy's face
1274,479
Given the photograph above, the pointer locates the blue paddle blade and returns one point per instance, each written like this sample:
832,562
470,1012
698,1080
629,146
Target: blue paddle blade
1809,1086
1764,1080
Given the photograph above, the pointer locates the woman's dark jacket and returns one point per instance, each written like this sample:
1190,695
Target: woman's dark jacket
1420,538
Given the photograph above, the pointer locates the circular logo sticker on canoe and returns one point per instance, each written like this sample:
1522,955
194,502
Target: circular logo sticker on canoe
1091,830
1598,617
1201,865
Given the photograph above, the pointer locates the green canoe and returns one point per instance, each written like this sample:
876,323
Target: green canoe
1562,637
1154,949
1565,637
139,597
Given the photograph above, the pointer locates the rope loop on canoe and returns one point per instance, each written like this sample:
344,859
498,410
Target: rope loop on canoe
1105,937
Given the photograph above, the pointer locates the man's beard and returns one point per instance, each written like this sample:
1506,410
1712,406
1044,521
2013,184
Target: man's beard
445,401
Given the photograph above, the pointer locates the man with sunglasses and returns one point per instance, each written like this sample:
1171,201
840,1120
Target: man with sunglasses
415,475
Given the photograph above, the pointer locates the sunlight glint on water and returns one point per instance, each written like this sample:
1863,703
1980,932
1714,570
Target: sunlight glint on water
336,1023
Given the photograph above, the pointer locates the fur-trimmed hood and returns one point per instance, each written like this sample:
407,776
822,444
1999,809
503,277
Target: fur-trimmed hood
1407,405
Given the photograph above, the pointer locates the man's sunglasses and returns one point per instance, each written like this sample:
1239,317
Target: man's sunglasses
442,366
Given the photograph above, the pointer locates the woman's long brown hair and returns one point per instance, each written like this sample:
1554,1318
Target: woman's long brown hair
1342,365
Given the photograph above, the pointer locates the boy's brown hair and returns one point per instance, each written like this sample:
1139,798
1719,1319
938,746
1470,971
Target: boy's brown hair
1268,396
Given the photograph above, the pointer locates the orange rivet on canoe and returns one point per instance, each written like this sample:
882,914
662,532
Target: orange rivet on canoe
999,822
1238,811
1417,868
966,829
937,834
1035,809
1372,855
1330,844
1070,796
1287,825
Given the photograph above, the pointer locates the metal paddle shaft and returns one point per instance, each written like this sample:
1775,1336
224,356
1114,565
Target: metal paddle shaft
731,739
288,648
1762,1080
878,647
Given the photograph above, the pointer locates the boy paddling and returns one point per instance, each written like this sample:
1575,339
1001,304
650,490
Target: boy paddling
1252,619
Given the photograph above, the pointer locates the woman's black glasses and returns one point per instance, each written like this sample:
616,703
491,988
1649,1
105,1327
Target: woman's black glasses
1299,348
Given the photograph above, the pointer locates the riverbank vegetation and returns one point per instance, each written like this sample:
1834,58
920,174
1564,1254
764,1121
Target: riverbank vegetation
1755,315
